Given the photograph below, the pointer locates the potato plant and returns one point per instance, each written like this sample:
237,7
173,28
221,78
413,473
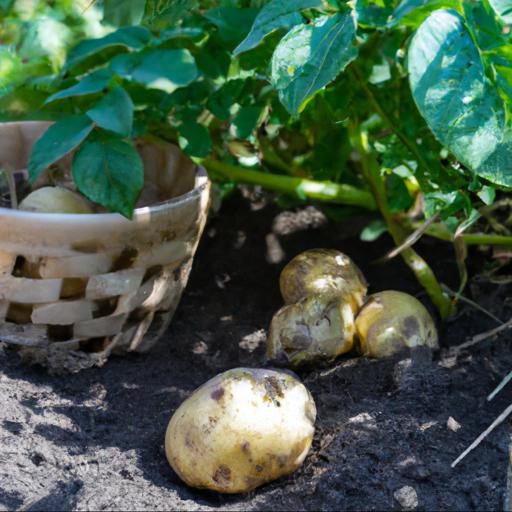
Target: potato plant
398,107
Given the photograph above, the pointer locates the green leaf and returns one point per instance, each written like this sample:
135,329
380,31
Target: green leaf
166,69
373,231
133,38
222,101
414,12
483,24
503,9
213,60
233,23
310,56
194,139
60,138
487,195
274,15
5,5
121,12
193,33
398,195
371,15
461,106
446,204
125,63
164,13
89,84
114,112
504,81
245,121
109,171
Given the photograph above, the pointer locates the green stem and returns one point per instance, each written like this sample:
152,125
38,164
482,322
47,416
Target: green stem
424,274
440,232
319,190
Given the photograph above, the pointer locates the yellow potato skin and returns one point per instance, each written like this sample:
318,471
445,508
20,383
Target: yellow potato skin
326,272
55,200
241,429
314,330
391,321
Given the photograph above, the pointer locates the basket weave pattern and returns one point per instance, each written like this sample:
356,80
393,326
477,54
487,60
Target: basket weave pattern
76,288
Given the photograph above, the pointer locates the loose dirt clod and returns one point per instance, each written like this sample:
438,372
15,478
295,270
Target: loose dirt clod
407,497
453,424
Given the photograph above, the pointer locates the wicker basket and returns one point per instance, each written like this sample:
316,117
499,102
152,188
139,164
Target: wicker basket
76,288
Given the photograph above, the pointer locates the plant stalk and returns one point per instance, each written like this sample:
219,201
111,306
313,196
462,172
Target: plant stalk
393,125
424,274
442,233
299,187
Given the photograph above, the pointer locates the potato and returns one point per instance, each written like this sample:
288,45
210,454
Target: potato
55,200
391,321
314,330
241,429
323,271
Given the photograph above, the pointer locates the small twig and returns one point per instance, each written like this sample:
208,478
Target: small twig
500,419
480,337
410,240
88,6
477,306
500,386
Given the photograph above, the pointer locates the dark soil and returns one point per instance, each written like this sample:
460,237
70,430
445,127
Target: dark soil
94,441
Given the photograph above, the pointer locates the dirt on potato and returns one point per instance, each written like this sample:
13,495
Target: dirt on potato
387,430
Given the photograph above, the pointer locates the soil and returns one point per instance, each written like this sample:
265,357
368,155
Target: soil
94,441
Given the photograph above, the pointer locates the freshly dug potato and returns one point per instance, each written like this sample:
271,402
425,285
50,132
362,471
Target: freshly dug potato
241,429
391,321
55,200
314,330
326,272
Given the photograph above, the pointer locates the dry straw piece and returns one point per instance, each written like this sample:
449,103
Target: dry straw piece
76,288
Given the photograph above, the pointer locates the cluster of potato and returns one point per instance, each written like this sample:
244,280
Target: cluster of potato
246,427
327,311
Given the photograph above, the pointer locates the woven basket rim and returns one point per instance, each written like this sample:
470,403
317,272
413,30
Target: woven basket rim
201,182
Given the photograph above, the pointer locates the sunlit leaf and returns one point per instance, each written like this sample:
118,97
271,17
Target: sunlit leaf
414,12
276,14
310,56
461,106
166,69
503,9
